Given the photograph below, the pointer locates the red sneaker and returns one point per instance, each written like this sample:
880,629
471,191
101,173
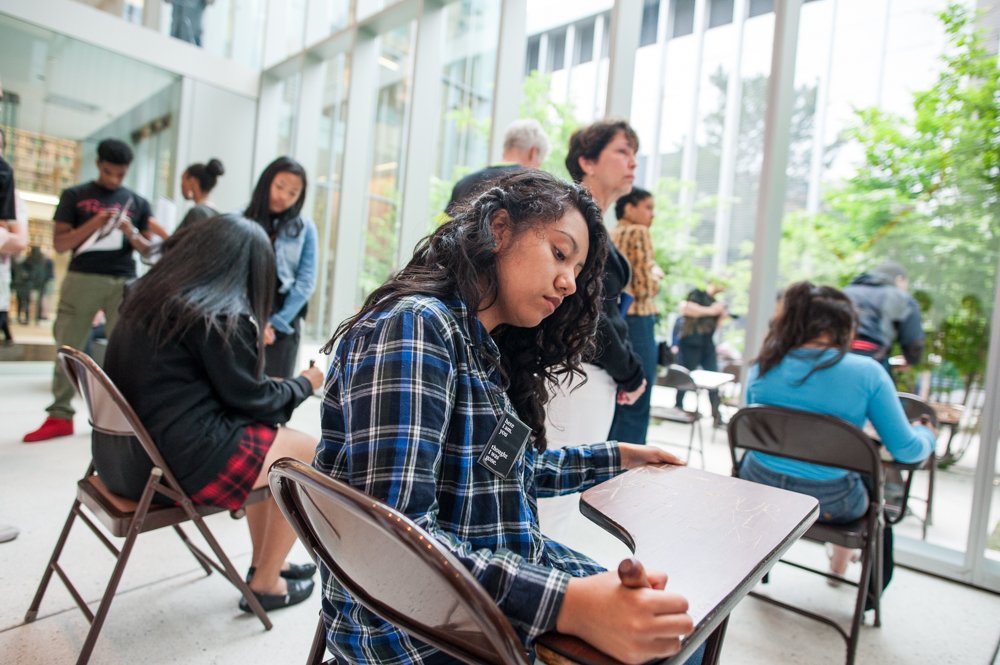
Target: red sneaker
50,429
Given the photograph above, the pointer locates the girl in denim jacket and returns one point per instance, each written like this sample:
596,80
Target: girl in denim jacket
277,206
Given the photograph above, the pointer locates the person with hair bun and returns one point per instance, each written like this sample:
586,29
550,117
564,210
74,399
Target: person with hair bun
452,357
805,364
197,182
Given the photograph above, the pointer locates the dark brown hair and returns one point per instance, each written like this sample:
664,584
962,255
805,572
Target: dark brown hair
588,142
459,260
806,312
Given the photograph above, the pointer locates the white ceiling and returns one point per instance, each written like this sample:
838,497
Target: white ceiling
68,88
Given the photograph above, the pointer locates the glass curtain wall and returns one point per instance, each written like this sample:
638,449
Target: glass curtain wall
58,105
326,178
288,113
385,183
887,163
466,96
566,70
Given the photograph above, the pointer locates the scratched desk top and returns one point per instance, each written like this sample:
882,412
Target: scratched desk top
713,535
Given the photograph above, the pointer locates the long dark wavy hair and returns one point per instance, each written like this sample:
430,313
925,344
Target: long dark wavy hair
806,312
259,209
459,260
190,286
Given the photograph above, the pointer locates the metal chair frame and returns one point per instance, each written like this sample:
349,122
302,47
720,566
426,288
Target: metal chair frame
110,413
914,407
311,500
826,440
679,378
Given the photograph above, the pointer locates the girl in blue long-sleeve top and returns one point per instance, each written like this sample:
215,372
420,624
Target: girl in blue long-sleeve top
805,364
277,206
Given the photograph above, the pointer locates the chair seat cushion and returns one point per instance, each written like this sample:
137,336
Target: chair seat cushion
115,512
853,534
673,414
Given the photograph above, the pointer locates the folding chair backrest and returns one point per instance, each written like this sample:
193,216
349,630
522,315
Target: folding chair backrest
804,436
109,412
914,407
393,567
678,377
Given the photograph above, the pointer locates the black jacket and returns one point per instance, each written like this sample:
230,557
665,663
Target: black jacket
614,349
194,395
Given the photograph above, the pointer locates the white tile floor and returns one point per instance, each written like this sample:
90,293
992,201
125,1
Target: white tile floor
168,612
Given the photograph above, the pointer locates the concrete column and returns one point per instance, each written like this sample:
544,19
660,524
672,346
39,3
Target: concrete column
771,199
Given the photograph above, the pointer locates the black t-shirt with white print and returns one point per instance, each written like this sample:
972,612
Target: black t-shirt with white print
110,253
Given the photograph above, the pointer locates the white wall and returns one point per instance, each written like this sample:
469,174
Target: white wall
218,123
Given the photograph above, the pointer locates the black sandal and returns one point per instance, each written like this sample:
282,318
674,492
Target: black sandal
298,590
296,571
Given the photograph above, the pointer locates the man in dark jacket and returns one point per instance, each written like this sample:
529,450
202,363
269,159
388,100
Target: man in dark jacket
886,313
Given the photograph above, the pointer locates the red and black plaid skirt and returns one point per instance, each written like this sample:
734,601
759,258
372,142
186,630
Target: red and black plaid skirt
230,488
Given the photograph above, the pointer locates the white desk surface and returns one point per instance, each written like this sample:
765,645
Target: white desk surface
711,380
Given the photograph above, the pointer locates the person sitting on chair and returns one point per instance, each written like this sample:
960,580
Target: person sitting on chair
435,405
188,355
805,364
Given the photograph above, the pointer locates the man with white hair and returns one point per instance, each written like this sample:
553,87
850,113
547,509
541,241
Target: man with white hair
525,146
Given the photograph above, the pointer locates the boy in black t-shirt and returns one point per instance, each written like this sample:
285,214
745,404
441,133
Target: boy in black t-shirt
102,222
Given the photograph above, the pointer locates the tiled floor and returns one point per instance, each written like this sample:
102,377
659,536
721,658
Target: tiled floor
168,612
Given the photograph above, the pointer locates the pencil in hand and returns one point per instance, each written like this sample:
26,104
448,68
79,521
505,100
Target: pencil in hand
632,574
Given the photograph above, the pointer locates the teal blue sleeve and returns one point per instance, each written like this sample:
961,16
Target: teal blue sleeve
907,443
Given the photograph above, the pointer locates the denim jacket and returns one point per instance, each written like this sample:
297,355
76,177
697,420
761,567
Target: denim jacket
296,267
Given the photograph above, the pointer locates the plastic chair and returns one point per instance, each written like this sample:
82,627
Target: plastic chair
679,378
914,407
122,517
826,440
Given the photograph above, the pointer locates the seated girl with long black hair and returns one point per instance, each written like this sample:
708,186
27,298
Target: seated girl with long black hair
188,355
452,356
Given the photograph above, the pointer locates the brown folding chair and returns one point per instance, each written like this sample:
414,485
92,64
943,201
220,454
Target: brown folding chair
679,378
914,407
830,441
393,568
122,517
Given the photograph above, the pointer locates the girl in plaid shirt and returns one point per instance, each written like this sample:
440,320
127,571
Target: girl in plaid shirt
449,354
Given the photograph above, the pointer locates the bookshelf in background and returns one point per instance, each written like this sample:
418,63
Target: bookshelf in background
43,164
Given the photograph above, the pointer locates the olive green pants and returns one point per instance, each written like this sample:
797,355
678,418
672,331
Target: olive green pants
81,296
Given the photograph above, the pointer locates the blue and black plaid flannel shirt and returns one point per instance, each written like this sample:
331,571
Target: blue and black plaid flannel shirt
406,413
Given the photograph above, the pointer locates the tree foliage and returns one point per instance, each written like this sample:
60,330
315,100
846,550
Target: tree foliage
927,190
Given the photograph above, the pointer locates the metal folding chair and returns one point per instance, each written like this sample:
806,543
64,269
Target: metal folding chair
125,518
914,407
679,378
830,441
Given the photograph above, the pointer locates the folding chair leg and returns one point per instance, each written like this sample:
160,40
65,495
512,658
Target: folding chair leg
859,608
701,444
930,496
229,570
713,645
32,612
318,648
879,556
690,443
109,593
205,564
